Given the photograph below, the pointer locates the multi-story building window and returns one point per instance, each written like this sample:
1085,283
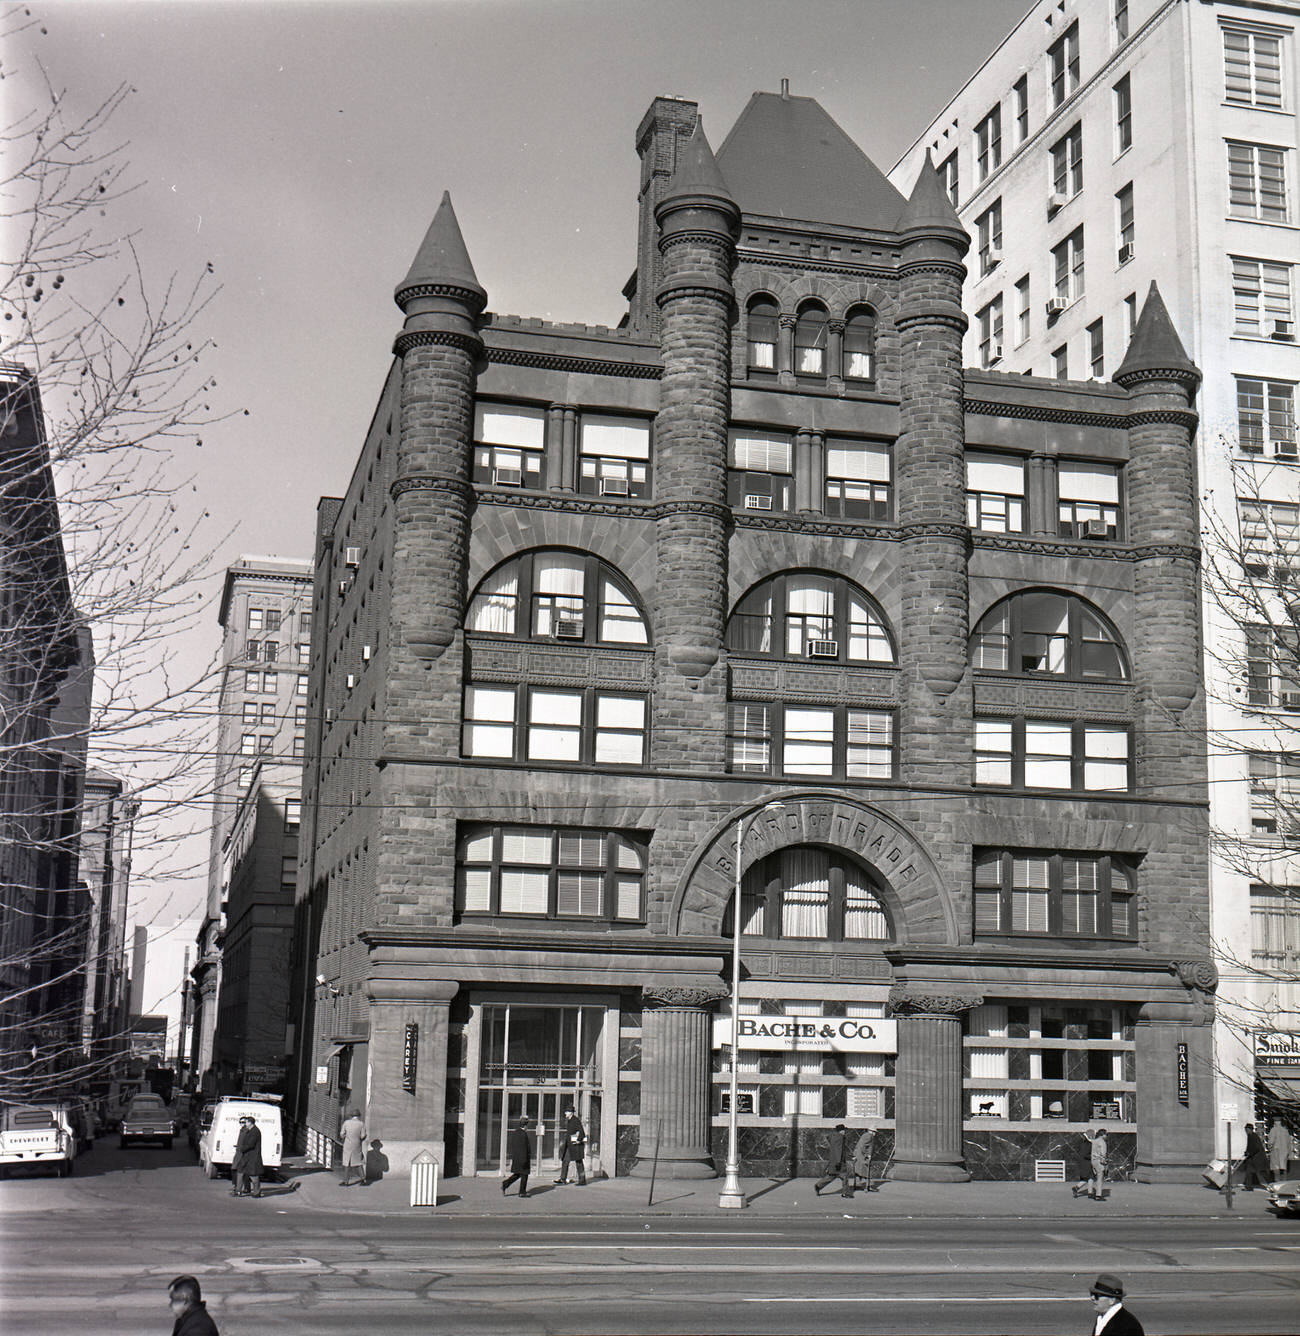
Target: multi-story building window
763,324
256,618
301,687
1067,163
250,712
802,615
1261,298
1266,417
266,743
1121,21
273,619
1061,362
1257,182
1123,98
1272,667
270,651
613,455
1096,350
551,873
267,716
859,350
1020,105
509,440
300,716
1274,793
1022,311
995,492
988,144
252,680
292,813
253,649
304,655
270,683
552,595
1125,229
811,893
1063,65
1275,930
1067,267
1040,633
1130,314
988,227
586,726
1052,754
304,625
1252,67
990,328
829,741
761,470
1270,537
1088,500
811,326
1028,893
299,745
858,479
948,174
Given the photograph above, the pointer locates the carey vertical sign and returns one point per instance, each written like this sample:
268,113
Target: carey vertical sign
410,1057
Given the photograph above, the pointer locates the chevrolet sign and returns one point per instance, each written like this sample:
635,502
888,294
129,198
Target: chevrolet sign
802,1034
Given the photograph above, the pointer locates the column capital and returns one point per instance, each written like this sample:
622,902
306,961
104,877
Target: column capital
905,1001
1201,975
690,997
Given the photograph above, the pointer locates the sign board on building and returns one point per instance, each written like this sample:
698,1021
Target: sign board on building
744,1101
1229,1113
810,1034
1277,1048
1106,1108
322,1076
1183,1087
410,1056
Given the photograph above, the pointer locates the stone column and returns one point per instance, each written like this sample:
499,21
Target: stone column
1043,520
835,354
928,1087
676,1044
553,451
803,470
569,450
785,349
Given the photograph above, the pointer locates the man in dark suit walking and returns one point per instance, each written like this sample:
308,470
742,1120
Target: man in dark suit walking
519,1150
838,1163
573,1146
1111,1317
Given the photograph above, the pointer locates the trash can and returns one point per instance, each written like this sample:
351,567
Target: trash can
424,1179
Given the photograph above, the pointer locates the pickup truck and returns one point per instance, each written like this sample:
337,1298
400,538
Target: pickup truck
32,1134
147,1118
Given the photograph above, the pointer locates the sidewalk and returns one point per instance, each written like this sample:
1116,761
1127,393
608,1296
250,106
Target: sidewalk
318,1189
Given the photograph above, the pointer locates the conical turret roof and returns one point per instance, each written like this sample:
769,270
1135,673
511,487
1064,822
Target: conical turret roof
1155,345
442,257
698,176
928,206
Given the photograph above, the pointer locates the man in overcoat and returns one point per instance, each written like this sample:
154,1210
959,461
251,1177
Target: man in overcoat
246,1167
519,1151
186,1302
838,1163
1254,1167
573,1146
1110,1317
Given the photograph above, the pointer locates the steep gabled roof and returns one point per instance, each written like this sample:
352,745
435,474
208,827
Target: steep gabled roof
442,257
785,157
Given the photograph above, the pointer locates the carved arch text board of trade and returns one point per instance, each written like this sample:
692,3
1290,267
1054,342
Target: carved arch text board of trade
919,907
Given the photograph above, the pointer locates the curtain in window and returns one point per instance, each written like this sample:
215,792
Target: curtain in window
750,628
495,604
761,451
1047,755
864,916
524,890
1080,885
499,424
809,613
557,589
1087,482
805,893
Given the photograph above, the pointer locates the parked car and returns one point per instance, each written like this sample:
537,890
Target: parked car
147,1118
36,1134
80,1118
217,1146
182,1107
1284,1197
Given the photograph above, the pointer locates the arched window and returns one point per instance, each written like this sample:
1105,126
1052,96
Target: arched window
803,615
557,596
811,893
859,359
763,315
810,330
1039,632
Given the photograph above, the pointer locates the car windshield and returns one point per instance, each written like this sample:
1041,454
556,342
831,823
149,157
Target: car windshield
146,1104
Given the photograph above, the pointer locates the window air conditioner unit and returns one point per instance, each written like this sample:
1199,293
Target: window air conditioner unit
1126,252
995,354
991,256
1283,329
1055,305
614,487
823,649
366,652
1285,449
352,556
568,628
343,588
1096,529
1291,700
1056,201
508,477
758,502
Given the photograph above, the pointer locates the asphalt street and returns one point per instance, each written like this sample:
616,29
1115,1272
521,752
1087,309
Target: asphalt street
95,1252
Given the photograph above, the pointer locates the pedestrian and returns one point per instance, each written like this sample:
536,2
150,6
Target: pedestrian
1111,1316
1095,1188
519,1150
573,1146
838,1163
863,1153
353,1133
187,1306
1254,1163
246,1167
1279,1149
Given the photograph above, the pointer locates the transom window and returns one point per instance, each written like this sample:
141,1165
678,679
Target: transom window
1052,754
832,741
508,444
813,894
802,615
761,472
547,872
613,455
810,330
1058,895
1039,632
557,595
995,492
858,478
859,345
587,725
764,315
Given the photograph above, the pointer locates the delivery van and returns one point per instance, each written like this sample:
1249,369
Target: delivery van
36,1134
217,1146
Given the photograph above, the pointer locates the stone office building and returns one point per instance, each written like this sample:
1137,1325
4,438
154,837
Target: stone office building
764,570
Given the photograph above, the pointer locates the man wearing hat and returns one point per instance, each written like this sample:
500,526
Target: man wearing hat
246,1167
1112,1317
573,1145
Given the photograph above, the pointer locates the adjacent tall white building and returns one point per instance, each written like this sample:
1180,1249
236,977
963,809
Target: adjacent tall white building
1104,145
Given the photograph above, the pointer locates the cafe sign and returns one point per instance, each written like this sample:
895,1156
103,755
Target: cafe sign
1277,1048
810,1034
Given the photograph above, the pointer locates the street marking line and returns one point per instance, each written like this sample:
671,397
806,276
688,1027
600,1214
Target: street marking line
685,1247
636,1233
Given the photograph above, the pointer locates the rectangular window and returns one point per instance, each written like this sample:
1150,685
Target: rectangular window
1275,793
990,327
1130,314
613,455
995,492
1048,754
1252,68
832,741
300,716
252,680
589,726
761,473
1266,417
270,651
1257,182
508,444
1067,163
1022,311
1096,350
948,175
1121,21
250,712
1061,362
1088,499
292,813
273,619
304,624
993,751
1020,101
1063,65
299,744
1067,267
1125,235
1272,667
1123,95
253,649
988,227
1270,537
1067,895
270,682
248,744
268,713
266,743
256,618
858,477
988,144
304,655
1275,929
1261,298
301,689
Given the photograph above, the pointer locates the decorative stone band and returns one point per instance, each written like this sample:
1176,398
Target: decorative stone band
1167,552
949,316
1047,548
590,366
475,298
689,997
1201,975
1183,375
1176,417
424,338
814,525
681,286
568,501
1044,413
665,509
912,1002
960,532
930,265
414,991
432,482
865,271
718,241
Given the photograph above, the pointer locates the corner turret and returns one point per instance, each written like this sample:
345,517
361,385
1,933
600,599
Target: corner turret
1155,347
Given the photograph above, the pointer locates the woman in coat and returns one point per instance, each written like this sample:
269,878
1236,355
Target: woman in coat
519,1150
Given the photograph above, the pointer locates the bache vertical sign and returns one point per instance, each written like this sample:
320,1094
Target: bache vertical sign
1182,1074
410,1057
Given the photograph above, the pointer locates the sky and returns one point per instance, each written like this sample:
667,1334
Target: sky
300,148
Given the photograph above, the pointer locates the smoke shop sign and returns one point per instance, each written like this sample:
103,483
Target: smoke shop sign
804,1034
1277,1048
